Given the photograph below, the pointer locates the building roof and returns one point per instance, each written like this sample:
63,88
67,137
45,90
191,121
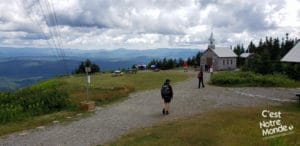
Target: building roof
293,55
224,52
245,55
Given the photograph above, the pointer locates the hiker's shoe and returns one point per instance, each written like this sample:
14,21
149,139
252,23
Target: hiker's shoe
163,111
167,112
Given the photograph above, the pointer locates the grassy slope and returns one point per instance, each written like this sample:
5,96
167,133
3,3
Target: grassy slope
234,127
104,89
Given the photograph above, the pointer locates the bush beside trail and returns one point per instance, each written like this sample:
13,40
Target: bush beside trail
243,79
42,98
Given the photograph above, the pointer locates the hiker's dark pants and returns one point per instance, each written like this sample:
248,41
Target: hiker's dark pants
200,82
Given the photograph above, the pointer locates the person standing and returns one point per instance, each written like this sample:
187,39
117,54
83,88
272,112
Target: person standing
185,66
211,70
200,78
167,95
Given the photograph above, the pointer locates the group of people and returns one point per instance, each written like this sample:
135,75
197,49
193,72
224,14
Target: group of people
167,91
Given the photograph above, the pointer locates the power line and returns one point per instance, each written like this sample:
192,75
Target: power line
53,32
57,32
52,38
50,31
35,20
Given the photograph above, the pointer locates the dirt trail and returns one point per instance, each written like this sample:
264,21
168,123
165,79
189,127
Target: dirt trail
143,109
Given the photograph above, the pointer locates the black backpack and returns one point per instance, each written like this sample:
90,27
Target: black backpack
165,90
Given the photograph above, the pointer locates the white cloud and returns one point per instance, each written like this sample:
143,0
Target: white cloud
289,16
94,24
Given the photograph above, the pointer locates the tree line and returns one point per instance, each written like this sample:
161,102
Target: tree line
164,64
169,63
265,57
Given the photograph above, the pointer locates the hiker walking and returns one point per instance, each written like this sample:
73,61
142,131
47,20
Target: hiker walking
200,78
167,95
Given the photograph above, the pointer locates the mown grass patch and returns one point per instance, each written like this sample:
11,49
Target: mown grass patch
250,79
104,88
234,127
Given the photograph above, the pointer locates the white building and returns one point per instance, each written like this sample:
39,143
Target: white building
220,58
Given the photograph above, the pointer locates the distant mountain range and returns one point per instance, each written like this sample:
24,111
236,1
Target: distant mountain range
20,67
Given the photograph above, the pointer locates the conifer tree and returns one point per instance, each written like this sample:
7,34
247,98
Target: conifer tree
87,63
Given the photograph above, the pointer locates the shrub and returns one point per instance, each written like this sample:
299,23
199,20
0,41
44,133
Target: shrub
32,101
239,78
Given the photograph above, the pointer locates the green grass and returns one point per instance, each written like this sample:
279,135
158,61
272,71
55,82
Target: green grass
250,79
34,122
104,89
228,127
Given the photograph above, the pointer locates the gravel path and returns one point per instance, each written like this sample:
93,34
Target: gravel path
143,109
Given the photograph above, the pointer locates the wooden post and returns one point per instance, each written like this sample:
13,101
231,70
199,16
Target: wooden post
88,105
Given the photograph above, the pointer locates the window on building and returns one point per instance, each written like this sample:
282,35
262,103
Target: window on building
231,61
227,62
223,62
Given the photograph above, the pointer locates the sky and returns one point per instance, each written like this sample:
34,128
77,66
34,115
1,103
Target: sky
144,24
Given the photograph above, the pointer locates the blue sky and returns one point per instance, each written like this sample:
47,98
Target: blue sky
144,24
